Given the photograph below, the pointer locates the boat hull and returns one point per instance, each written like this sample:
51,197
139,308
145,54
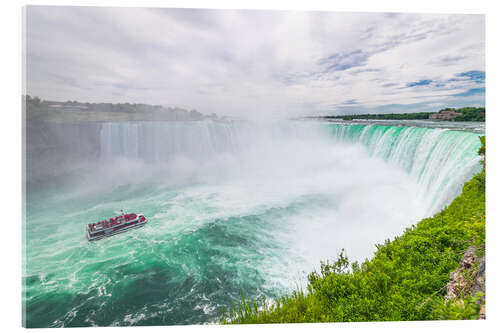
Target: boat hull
111,232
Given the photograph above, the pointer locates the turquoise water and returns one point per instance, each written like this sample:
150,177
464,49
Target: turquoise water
234,209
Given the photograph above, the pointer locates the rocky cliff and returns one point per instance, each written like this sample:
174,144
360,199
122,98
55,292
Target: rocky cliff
469,279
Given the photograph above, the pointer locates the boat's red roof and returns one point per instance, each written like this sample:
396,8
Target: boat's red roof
113,220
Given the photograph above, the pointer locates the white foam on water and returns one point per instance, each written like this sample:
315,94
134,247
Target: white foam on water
296,193
370,181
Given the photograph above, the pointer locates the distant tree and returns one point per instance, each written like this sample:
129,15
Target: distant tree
468,114
195,114
33,101
471,114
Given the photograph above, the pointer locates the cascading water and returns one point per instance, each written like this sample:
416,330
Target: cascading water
439,160
234,209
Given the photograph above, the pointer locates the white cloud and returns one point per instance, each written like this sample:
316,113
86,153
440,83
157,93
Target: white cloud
252,63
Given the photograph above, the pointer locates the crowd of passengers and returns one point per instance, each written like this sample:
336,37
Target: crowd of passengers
112,221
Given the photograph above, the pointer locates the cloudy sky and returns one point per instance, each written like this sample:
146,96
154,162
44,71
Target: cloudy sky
256,63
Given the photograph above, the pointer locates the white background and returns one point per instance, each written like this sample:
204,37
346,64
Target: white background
10,122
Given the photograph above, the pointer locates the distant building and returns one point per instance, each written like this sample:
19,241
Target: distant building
449,115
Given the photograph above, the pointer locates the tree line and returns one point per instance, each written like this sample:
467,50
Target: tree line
468,114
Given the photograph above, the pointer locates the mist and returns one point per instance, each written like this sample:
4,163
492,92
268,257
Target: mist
351,199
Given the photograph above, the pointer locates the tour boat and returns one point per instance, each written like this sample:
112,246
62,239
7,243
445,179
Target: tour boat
115,225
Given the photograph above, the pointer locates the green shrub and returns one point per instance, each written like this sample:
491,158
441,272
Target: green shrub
466,308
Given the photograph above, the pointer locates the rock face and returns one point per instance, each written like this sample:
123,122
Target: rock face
479,283
469,279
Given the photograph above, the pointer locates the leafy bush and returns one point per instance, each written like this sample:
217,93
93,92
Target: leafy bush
466,308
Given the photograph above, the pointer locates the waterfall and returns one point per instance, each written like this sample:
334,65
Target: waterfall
162,141
439,160
233,208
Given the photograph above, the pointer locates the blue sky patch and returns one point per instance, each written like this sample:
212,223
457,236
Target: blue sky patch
419,83
344,61
470,92
477,76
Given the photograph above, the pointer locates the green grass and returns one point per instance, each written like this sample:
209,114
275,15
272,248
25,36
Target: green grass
405,280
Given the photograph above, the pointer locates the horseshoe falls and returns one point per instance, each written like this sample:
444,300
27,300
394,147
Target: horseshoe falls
234,208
